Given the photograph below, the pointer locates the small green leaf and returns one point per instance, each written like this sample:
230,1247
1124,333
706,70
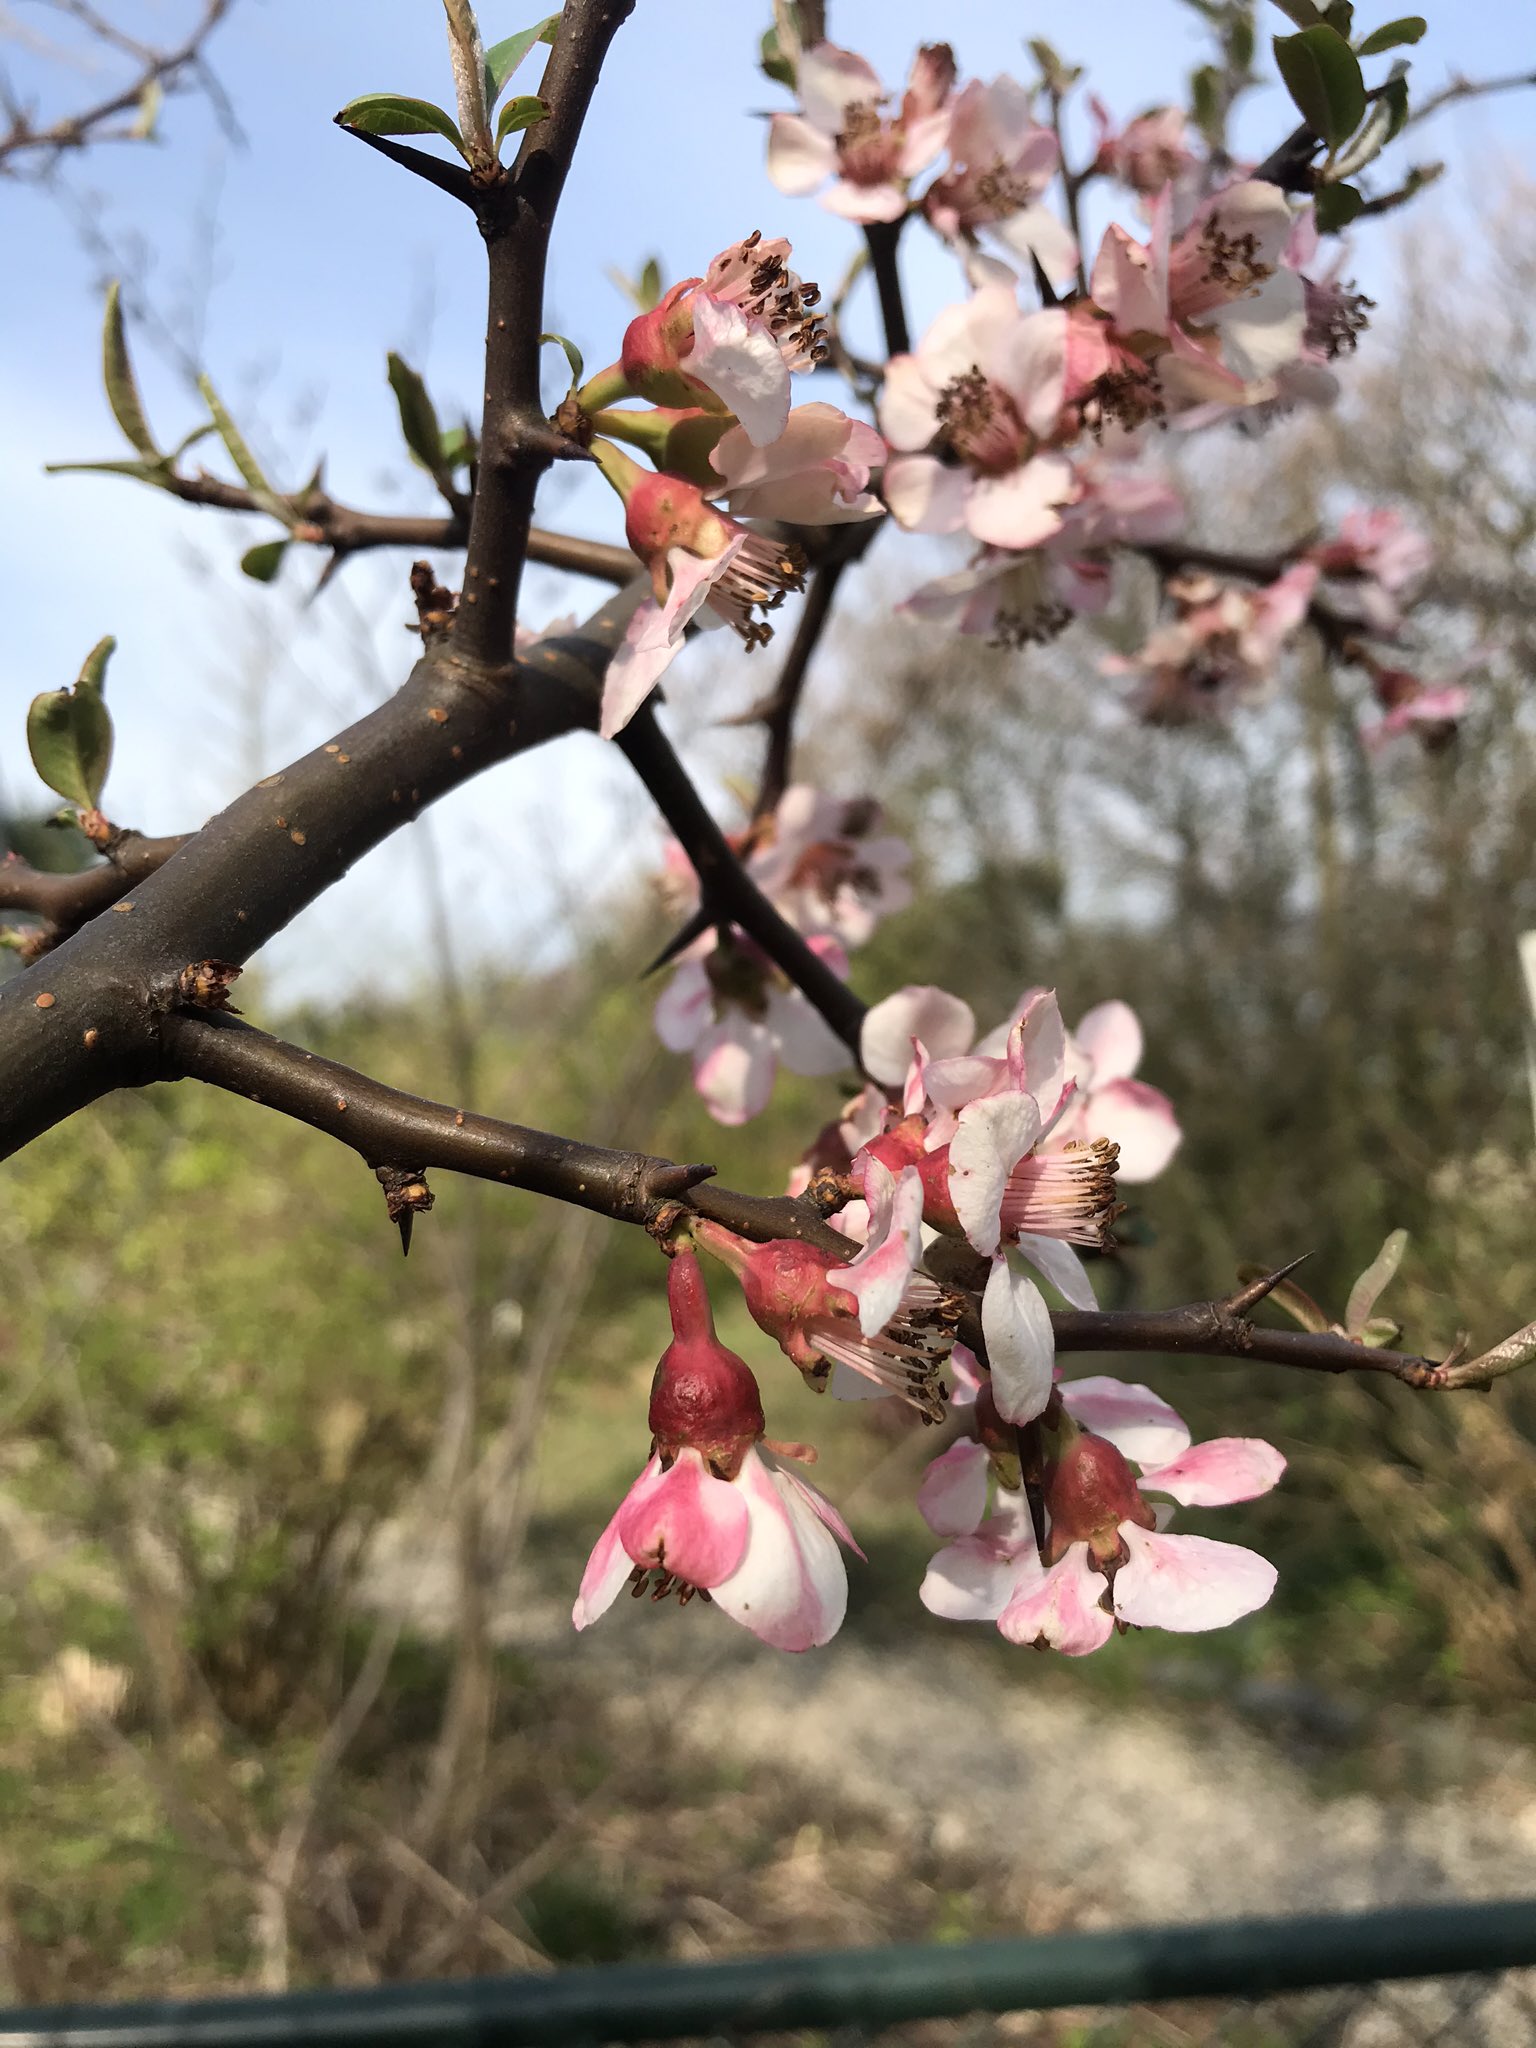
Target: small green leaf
157,473
772,60
1379,1332
392,113
69,732
1394,97
117,372
191,440
649,289
1205,102
1302,12
525,111
460,448
502,59
418,415
240,455
262,562
1337,206
572,355
1367,1290
1393,35
1240,45
1322,75
1340,14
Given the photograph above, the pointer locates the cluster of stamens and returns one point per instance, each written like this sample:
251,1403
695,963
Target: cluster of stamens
1233,261
1337,316
1017,627
759,579
1068,1194
1001,190
868,150
1130,396
979,422
771,292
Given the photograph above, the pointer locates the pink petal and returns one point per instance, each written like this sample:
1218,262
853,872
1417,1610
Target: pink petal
1020,1346
655,633
1139,1424
993,1136
733,1068
1215,1474
685,1520
952,1083
806,1041
974,1578
1188,1583
864,203
943,1022
799,156
1037,1050
830,79
1060,1608
878,1276
953,1495
1059,1263
1040,231
1016,510
1110,1034
926,495
908,408
790,1587
967,1376
684,1008
609,1566
1140,1120
740,362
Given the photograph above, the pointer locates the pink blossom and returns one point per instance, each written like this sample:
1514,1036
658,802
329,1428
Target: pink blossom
814,474
1107,1561
875,1318
697,558
1104,1049
711,1512
826,864
729,340
729,1007
1001,161
986,385
1222,642
1382,556
1147,153
841,133
1432,710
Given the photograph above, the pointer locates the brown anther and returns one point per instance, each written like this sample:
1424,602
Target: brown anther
205,984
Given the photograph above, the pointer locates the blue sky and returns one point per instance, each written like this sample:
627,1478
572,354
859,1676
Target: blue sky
306,257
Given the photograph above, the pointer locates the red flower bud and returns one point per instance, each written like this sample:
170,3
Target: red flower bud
1089,1491
703,1398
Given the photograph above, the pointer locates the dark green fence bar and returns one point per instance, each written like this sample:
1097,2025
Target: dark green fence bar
868,1987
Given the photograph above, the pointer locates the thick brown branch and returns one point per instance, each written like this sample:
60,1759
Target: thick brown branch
883,238
84,1020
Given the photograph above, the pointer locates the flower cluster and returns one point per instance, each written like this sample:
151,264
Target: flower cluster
715,357
1001,1142
830,868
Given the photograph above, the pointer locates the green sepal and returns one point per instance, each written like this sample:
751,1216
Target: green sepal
572,355
1322,76
392,113
772,61
69,732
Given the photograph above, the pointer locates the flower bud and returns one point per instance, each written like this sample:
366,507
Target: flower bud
1089,1491
703,1397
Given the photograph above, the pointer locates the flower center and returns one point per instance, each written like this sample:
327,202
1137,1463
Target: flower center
663,1584
1068,1194
867,150
1337,315
761,283
1001,190
980,423
1233,261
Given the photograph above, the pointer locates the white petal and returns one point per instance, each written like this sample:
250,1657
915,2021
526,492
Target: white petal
790,1588
953,1495
1017,510
1139,1424
943,1022
926,495
799,156
1110,1034
684,1008
1188,1583
1060,1264
740,361
733,1068
807,1043
1020,1346
1140,1120
994,1134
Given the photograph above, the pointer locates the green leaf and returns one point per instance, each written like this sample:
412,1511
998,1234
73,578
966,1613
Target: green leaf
1302,12
191,440
392,113
157,473
418,415
1337,206
460,448
525,111
1240,45
503,58
1393,35
648,289
1367,1289
1322,76
240,455
1394,97
262,562
572,355
69,732
1340,14
117,372
1205,102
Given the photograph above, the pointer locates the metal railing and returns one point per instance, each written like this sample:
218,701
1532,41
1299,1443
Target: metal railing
861,1992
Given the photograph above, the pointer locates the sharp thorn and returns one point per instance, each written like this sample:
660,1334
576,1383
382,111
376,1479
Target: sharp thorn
1250,1296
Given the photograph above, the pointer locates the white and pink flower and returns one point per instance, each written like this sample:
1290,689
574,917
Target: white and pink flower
973,413
740,1019
815,474
713,1512
1001,160
841,131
